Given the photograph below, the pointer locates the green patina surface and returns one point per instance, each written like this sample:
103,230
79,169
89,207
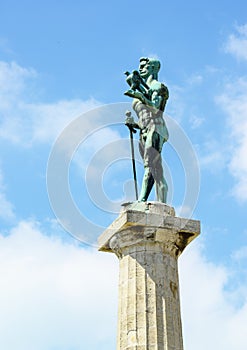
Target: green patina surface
149,101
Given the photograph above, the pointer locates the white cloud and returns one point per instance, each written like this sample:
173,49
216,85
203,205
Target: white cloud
213,155
176,105
241,253
196,121
237,43
195,79
104,156
6,207
27,124
211,320
13,80
99,141
55,295
234,102
5,46
24,122
48,120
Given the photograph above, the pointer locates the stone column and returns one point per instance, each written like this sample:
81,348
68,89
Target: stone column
148,238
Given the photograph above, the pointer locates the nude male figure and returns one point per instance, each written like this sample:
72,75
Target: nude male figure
149,104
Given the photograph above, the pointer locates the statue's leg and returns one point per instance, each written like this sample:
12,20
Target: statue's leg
148,179
150,150
158,174
161,189
147,184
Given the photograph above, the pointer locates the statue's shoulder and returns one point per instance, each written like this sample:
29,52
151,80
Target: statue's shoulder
161,88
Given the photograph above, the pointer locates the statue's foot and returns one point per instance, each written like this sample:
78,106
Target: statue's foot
142,200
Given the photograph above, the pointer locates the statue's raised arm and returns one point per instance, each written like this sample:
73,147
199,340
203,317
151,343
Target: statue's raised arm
150,97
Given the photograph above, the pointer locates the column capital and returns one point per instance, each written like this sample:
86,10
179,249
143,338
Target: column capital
149,223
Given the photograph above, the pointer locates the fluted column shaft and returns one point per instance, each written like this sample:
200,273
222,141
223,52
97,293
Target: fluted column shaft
149,308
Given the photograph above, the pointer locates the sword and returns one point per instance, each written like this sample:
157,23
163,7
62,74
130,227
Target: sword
132,130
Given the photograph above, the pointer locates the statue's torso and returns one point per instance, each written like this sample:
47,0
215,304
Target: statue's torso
151,119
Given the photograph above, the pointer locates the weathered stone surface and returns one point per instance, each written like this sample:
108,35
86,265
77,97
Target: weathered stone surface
140,222
148,238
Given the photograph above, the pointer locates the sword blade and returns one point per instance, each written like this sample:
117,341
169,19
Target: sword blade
133,162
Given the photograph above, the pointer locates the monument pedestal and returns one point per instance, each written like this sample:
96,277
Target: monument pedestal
148,239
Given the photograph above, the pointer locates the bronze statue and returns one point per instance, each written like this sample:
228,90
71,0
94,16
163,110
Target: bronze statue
149,102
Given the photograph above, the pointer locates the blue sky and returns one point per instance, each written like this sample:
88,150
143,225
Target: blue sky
61,93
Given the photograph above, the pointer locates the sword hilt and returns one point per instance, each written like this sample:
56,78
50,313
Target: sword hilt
129,122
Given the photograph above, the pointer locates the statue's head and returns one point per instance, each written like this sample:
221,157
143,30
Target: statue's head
149,66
